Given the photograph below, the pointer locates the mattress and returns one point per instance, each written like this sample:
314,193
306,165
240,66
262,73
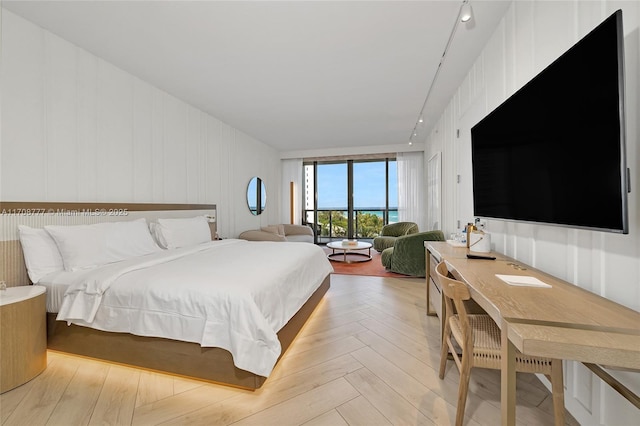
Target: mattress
232,294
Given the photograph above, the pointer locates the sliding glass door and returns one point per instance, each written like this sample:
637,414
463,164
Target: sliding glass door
350,198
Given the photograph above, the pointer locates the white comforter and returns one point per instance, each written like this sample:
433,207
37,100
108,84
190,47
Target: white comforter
231,294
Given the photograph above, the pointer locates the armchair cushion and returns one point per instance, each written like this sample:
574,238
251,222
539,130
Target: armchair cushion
392,231
407,256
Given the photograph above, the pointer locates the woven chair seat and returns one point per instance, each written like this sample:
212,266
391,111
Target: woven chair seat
487,346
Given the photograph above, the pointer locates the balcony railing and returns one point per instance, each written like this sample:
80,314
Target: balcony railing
332,224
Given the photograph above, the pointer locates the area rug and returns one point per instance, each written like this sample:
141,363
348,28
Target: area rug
372,268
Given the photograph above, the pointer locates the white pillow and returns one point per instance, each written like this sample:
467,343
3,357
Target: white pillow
156,233
88,246
41,254
174,233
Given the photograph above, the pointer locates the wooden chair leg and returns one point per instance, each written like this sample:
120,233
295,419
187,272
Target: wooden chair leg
557,391
444,352
463,389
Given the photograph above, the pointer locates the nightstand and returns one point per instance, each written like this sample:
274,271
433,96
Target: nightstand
23,335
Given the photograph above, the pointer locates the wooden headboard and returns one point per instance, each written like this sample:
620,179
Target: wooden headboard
37,215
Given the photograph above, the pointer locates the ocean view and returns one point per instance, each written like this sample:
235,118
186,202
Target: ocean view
368,186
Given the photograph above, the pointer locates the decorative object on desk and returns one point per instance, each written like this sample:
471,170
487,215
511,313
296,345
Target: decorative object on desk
522,281
480,241
480,339
350,243
457,243
469,229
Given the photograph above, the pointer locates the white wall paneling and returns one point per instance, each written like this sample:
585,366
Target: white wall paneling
23,48
142,140
76,128
532,35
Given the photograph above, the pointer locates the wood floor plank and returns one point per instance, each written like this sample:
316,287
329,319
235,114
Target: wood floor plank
46,390
415,297
360,412
299,361
330,418
406,386
10,400
183,384
117,398
412,329
153,387
417,348
345,300
326,323
403,313
485,383
304,407
395,408
183,403
424,370
272,393
79,398
309,341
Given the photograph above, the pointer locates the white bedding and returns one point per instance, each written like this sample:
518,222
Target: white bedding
56,284
232,294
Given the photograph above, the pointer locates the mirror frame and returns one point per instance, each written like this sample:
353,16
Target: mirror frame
256,193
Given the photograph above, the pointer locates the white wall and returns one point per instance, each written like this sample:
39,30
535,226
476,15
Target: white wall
76,128
531,35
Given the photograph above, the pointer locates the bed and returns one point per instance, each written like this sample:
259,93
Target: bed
223,311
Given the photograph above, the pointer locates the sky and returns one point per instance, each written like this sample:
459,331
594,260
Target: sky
369,185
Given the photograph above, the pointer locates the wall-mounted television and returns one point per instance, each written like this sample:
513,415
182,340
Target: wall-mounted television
554,152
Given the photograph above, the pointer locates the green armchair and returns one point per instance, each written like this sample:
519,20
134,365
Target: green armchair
392,231
407,256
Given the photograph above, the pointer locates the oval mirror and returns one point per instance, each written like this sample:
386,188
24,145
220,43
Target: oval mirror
256,196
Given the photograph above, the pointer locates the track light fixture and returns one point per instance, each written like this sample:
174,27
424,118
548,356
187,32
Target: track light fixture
466,13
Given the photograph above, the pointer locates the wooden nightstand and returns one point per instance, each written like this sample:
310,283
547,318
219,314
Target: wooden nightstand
23,335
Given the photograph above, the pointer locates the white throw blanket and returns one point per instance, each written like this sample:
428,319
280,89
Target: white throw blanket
231,294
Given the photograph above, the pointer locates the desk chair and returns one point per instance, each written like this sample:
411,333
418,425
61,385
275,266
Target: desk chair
479,338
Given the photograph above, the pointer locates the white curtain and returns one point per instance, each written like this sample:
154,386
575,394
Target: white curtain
411,186
292,172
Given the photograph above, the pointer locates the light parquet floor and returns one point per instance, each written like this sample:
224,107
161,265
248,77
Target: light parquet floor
368,356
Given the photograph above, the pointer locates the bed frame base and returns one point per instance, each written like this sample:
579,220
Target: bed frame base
171,356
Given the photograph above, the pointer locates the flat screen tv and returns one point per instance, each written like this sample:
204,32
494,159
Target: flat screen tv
554,152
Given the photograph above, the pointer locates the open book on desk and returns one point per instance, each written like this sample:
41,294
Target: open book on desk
522,281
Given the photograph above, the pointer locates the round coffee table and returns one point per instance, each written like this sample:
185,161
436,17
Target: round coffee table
349,250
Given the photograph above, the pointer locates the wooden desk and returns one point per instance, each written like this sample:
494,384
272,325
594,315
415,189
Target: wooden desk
564,321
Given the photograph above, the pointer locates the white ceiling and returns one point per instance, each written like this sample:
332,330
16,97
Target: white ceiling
296,75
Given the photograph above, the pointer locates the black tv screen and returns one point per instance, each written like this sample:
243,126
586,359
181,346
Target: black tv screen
554,152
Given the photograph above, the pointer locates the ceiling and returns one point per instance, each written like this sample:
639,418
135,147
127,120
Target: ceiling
296,75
